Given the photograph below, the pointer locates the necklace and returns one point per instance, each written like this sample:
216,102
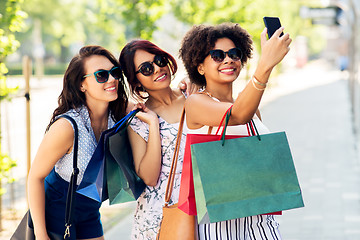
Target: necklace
206,92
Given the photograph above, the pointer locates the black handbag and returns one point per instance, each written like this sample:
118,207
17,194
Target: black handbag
25,230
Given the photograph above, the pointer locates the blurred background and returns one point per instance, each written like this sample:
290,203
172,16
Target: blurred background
314,92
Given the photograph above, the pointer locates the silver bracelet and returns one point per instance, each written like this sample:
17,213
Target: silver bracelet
259,89
258,82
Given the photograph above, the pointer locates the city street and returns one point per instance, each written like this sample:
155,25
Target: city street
311,104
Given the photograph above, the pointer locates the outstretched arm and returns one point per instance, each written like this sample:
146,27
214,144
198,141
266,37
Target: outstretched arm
202,110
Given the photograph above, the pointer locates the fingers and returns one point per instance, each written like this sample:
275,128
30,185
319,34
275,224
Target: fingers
278,32
287,40
141,106
182,86
263,36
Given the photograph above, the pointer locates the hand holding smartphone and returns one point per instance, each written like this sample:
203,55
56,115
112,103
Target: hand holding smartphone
272,24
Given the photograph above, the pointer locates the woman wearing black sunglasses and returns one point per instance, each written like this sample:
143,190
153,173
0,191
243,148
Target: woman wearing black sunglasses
213,57
93,95
149,71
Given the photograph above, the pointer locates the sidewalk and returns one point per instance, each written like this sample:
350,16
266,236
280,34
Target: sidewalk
317,120
312,106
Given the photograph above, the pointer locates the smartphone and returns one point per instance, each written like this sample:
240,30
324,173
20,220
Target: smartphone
272,24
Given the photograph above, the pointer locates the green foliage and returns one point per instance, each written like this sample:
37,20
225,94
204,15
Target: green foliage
140,16
6,163
11,21
58,23
54,69
248,13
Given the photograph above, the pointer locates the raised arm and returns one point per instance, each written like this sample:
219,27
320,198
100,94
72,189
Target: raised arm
147,155
202,110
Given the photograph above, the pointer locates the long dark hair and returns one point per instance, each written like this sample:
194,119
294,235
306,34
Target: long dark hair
72,97
126,60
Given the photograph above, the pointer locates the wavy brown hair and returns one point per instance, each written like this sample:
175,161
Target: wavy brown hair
71,97
126,60
200,39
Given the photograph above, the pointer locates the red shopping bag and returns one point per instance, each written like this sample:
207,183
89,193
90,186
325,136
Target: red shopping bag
187,193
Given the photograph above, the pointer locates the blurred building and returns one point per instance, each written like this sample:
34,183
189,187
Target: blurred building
343,47
350,23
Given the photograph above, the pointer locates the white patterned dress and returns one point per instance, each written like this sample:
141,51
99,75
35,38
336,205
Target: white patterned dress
148,213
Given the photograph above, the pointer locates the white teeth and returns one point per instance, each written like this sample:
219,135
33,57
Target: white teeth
110,89
160,78
227,70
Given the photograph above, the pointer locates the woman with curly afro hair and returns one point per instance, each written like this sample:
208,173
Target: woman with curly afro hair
213,57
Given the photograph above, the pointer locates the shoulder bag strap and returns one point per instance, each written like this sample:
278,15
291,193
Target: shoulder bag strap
170,183
70,199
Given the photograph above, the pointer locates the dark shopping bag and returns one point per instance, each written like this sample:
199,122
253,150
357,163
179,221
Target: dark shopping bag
122,181
95,183
25,230
242,177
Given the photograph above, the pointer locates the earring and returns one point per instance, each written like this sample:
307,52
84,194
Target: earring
82,89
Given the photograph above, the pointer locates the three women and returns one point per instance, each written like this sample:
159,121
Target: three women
94,96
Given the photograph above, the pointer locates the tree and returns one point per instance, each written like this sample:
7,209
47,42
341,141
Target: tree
54,25
140,16
248,13
11,21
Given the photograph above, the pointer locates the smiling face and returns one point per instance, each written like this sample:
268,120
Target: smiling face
224,72
159,79
98,92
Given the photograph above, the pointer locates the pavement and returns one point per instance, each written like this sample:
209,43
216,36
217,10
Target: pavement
317,119
311,104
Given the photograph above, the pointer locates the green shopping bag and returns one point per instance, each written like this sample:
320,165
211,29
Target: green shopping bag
123,184
117,184
243,177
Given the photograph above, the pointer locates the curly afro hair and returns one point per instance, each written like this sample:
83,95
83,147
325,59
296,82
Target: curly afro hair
200,39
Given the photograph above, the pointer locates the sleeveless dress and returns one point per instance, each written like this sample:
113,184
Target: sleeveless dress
148,213
86,218
248,228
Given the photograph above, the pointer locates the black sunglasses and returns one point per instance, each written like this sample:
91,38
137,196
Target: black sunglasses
147,68
102,76
219,55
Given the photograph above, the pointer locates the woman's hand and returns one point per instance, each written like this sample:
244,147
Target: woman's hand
147,154
146,115
188,87
274,49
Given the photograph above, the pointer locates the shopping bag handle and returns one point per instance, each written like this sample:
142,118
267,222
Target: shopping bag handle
127,119
170,183
251,125
222,120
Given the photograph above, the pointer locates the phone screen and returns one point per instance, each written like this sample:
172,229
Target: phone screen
272,24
